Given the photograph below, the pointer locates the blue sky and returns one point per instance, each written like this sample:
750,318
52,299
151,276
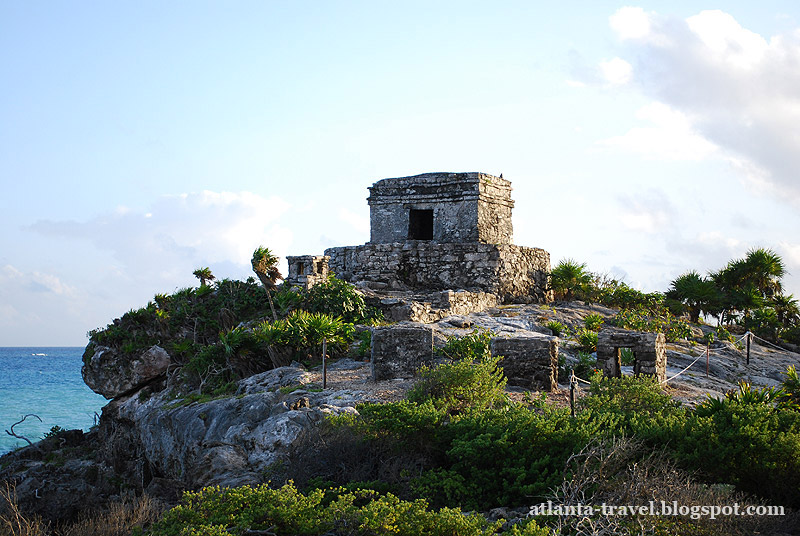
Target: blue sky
141,140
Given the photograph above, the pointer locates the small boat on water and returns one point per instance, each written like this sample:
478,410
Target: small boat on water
40,354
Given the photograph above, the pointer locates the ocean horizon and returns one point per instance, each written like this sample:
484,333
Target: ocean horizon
47,382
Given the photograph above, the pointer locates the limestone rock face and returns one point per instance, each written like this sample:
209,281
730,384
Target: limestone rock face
230,441
111,373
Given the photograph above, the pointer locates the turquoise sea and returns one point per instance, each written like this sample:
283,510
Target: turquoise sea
48,383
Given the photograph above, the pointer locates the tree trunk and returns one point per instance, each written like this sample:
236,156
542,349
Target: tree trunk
267,284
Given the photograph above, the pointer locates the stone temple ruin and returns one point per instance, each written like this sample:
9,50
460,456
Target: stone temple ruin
437,232
440,245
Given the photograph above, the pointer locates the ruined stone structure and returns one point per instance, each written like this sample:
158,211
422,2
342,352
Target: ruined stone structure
438,231
530,362
307,270
649,352
442,207
399,350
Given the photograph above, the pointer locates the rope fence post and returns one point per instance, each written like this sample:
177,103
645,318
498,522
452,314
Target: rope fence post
324,364
708,347
747,343
572,384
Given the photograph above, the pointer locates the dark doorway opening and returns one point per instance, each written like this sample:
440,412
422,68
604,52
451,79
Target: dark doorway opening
420,224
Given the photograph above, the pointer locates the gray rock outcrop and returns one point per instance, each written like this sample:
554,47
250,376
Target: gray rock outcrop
112,373
229,441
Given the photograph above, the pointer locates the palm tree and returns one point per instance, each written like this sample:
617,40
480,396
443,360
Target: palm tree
204,275
265,265
569,276
764,268
695,291
786,309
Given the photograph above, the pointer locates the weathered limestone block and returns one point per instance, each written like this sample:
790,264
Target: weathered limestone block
400,350
649,352
112,374
530,362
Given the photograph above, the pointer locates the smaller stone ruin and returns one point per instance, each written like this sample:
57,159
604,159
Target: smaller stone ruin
307,270
649,352
399,350
529,362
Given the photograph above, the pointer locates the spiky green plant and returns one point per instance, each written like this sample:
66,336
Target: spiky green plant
569,277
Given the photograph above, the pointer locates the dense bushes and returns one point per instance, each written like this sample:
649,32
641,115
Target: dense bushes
659,320
339,298
514,455
223,330
262,510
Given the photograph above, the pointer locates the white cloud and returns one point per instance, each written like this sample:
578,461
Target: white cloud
737,90
727,40
669,135
180,232
648,212
34,281
630,23
616,71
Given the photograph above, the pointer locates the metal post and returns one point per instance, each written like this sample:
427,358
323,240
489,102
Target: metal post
324,364
708,346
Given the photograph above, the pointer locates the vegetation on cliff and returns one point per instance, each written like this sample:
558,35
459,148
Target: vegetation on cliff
224,330
746,294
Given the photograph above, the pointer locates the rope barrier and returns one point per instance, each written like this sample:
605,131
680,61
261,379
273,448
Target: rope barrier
769,343
684,370
575,378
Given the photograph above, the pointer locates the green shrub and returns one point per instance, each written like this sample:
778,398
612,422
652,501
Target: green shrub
509,457
472,346
724,335
463,385
243,510
593,321
659,320
626,356
569,278
556,327
364,343
586,366
303,333
587,339
189,316
339,298
752,445
791,388
630,397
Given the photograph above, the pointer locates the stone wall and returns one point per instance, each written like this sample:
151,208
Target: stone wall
513,273
462,207
530,362
649,352
429,308
307,270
